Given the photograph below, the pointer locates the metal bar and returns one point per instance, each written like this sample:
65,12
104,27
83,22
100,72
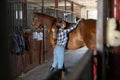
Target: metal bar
65,10
72,6
42,6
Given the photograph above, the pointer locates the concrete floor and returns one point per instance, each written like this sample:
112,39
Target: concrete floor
41,72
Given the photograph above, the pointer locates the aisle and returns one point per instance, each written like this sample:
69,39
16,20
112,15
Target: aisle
41,72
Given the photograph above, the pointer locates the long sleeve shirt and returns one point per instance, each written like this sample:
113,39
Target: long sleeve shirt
62,35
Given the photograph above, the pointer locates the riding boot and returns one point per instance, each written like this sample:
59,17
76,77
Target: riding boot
65,70
51,69
59,74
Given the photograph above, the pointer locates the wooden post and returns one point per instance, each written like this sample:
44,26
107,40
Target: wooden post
56,6
101,24
56,3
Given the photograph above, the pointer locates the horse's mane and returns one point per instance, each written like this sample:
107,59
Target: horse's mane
45,15
45,18
54,19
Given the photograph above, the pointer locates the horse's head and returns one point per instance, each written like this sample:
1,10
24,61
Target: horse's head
35,22
43,19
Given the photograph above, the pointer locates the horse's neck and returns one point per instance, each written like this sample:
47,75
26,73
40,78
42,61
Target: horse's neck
48,21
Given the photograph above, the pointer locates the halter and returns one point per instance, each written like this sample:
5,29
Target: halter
36,19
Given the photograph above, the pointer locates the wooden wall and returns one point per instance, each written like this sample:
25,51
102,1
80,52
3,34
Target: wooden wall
32,57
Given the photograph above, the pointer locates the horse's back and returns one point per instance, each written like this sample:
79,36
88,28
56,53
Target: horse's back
88,32
85,33
75,40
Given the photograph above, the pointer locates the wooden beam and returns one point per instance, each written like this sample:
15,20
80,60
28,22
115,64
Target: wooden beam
56,3
72,6
74,3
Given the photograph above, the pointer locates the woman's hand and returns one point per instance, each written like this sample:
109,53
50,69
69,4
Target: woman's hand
53,30
78,20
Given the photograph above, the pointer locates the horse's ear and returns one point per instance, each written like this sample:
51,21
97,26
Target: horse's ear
59,19
35,13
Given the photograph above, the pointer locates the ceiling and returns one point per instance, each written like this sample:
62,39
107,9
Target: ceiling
86,3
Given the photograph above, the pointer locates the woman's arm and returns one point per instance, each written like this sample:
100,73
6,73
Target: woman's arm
73,26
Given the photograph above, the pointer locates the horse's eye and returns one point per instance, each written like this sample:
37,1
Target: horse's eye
60,22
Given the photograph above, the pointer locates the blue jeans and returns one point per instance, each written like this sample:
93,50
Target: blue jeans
58,59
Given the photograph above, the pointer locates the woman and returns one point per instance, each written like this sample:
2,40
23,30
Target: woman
61,38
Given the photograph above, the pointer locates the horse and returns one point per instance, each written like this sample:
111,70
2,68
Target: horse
83,35
75,39
85,31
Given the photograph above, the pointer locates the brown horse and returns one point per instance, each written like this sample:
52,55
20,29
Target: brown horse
85,31
75,39
84,34
42,19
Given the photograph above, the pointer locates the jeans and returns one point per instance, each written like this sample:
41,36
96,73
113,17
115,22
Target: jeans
58,59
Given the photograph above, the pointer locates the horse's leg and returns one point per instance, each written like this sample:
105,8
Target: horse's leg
64,68
64,71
